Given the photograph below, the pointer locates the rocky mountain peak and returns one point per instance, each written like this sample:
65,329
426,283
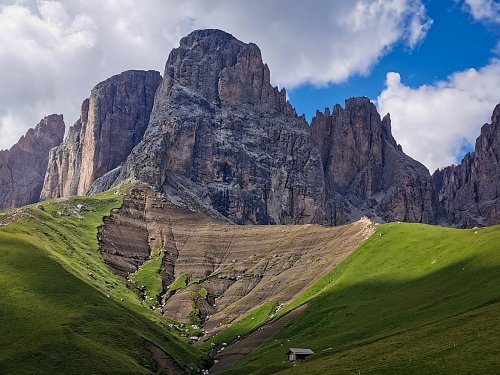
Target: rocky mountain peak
22,168
468,194
359,104
214,37
491,132
366,172
495,117
215,136
112,121
119,105
223,71
222,139
49,130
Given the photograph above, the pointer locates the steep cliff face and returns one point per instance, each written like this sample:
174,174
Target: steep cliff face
63,168
366,171
113,120
218,138
22,168
469,193
222,137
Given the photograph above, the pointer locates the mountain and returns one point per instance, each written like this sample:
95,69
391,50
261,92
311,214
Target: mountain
469,193
22,168
112,121
153,277
366,171
222,138
213,135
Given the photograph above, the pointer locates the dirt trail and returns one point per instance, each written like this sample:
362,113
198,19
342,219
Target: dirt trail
164,362
236,351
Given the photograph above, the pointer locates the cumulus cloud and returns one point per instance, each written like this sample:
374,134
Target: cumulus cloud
327,42
33,48
484,10
53,52
433,122
419,24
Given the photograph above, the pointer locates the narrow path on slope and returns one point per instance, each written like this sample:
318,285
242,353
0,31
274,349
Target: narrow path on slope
244,346
164,362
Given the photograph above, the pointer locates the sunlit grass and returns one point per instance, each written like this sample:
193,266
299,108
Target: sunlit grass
62,310
410,290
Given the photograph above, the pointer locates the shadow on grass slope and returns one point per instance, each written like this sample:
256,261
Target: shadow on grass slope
60,309
413,299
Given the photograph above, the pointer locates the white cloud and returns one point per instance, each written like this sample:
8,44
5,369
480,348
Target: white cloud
432,121
327,42
419,25
484,10
53,52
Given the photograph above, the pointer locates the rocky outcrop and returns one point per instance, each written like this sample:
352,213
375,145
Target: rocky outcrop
22,168
63,168
366,171
469,193
113,120
218,138
221,136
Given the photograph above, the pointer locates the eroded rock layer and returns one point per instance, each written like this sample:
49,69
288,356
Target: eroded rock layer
227,269
22,168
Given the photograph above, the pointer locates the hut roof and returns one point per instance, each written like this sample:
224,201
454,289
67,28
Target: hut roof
301,351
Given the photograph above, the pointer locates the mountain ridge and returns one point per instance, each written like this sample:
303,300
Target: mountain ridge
113,120
469,193
215,136
366,167
23,166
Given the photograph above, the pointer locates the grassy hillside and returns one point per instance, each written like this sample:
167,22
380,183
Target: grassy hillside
53,319
412,299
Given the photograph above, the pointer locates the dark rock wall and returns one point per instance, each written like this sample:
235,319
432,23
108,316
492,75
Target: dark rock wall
222,135
113,120
469,193
22,168
366,171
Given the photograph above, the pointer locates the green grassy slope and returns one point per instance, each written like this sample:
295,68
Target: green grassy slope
148,277
412,299
61,309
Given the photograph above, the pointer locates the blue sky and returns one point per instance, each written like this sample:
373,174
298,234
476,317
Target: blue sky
455,42
433,64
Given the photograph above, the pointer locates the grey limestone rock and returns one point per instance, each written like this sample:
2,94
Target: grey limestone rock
113,120
366,171
22,168
469,193
222,137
